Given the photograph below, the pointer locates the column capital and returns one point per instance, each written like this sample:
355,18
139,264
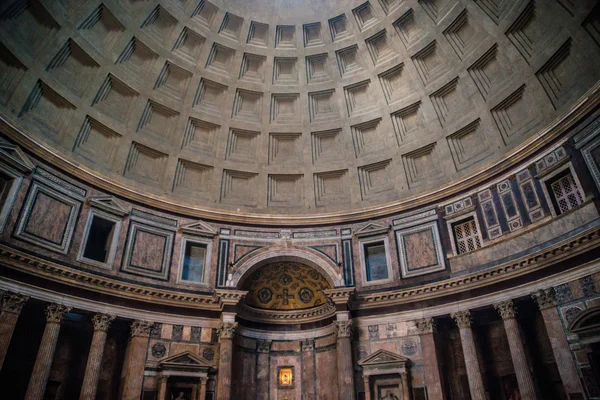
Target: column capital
163,378
425,325
13,302
308,344
545,298
462,318
263,346
344,328
56,312
226,330
102,321
203,380
141,328
506,309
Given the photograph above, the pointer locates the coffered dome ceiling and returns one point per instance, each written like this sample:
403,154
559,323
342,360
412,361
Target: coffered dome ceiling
290,107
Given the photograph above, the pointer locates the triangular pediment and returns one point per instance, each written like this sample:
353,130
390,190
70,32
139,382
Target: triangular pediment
15,157
108,204
383,357
199,228
186,360
372,229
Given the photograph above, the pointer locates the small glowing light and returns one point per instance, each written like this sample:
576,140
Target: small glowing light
285,377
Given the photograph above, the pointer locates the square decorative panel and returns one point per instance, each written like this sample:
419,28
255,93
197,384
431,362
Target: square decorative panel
419,250
148,251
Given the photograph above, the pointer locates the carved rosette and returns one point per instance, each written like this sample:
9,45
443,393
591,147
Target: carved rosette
344,328
141,328
56,312
545,298
462,318
102,321
308,344
226,330
13,302
263,346
506,309
425,325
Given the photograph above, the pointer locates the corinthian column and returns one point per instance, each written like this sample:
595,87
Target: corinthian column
41,369
132,377
263,347
92,369
308,369
463,320
344,360
426,327
517,350
226,333
560,347
12,303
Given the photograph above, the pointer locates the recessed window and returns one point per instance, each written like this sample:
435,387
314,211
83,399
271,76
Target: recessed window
466,236
99,239
193,262
565,192
376,261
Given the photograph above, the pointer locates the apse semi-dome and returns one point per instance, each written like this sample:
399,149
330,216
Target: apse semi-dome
297,108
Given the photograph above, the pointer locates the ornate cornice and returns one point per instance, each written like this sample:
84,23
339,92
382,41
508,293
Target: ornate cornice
340,295
344,328
522,152
13,302
287,316
141,328
506,309
230,296
226,330
102,321
56,312
575,245
462,318
425,325
545,298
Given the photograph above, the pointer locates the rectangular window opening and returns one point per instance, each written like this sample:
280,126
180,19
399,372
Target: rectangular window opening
466,236
99,240
376,261
193,262
565,194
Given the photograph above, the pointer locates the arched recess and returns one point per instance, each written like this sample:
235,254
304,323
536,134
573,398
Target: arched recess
327,268
587,323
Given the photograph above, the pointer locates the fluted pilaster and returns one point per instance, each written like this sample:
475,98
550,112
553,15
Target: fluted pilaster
135,360
12,303
344,359
426,327
463,320
226,333
263,347
92,369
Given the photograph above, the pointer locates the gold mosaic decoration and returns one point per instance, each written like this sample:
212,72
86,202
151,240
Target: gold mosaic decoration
286,286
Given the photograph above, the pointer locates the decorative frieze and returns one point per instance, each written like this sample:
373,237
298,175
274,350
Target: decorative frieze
490,214
509,205
529,194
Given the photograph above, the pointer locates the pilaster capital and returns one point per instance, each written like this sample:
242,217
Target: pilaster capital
462,318
203,380
263,346
545,298
425,325
308,344
226,330
344,328
506,309
163,378
102,321
56,312
13,302
141,328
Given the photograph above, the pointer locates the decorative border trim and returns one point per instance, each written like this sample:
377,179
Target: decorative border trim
287,317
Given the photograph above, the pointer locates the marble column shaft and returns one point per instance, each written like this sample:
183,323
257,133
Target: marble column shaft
92,369
132,377
308,369
463,320
226,334
405,386
262,366
426,327
202,391
367,388
162,388
12,303
558,340
43,362
344,360
517,350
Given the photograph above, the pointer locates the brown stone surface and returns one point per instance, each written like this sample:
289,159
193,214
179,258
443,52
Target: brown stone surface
325,341
133,368
148,251
432,371
8,321
286,346
48,218
285,361
327,377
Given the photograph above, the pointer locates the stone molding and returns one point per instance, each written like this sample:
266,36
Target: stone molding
291,316
344,328
263,346
506,309
230,297
141,328
56,312
308,344
226,330
13,302
462,318
545,298
102,321
340,295
425,325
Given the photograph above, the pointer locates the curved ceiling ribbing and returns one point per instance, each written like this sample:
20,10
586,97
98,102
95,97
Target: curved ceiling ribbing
361,105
